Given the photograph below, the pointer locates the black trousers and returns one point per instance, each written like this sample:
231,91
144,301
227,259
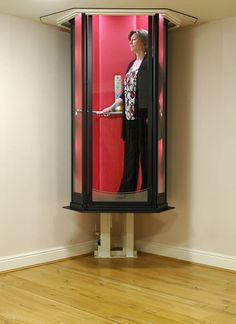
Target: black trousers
135,151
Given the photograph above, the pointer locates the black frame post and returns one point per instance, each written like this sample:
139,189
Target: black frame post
72,55
165,97
84,111
155,106
151,117
90,107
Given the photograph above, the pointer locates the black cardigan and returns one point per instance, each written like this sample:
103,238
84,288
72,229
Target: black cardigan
141,96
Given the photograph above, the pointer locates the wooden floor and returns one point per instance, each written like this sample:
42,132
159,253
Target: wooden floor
149,289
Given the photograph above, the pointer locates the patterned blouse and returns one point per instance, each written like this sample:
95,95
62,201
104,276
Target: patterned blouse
130,92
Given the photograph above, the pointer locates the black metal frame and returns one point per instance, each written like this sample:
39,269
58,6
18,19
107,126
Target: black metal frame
83,202
162,197
165,99
155,95
151,153
72,53
84,112
78,197
89,110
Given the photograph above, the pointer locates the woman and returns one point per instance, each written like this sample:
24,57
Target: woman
135,113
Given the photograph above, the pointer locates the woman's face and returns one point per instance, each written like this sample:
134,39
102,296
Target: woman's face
136,44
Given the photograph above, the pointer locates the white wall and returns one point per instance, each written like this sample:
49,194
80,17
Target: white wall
35,140
202,134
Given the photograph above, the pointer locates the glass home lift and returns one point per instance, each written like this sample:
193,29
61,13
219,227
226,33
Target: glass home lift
100,54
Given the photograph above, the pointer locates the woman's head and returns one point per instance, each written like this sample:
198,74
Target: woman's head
138,40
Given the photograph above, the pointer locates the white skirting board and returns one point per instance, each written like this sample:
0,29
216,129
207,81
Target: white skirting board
192,255
48,255
43,256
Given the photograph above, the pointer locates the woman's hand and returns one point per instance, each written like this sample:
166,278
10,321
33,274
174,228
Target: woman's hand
105,111
109,109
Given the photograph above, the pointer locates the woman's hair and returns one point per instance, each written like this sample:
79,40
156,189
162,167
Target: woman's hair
142,34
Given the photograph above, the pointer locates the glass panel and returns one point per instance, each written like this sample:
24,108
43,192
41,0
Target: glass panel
161,110
118,174
77,167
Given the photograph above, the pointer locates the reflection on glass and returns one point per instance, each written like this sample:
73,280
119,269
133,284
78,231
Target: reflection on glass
78,107
128,196
120,81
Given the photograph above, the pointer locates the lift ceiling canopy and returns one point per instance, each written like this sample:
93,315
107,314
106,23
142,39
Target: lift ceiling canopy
61,18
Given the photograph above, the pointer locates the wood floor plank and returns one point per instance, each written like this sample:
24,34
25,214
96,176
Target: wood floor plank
110,301
145,290
21,306
217,294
